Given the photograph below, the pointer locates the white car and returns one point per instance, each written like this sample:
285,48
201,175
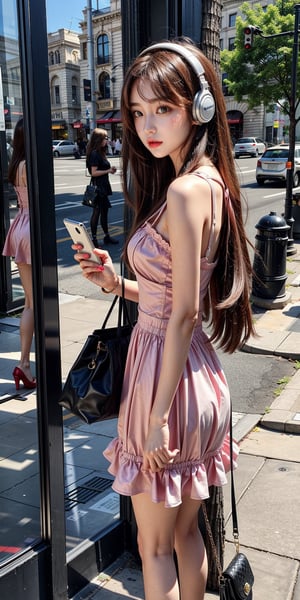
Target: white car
63,148
271,165
249,146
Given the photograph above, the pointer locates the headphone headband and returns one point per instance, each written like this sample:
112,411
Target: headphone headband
204,103
184,52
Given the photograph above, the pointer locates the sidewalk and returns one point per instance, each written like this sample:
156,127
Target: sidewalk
268,477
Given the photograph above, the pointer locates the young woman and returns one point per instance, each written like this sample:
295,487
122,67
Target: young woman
17,244
99,168
188,250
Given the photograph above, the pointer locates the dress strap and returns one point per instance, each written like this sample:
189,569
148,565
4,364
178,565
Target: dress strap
157,214
213,206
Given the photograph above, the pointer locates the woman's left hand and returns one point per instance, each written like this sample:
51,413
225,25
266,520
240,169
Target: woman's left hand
156,452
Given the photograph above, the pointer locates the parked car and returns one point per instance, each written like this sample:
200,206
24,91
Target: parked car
272,165
249,146
63,148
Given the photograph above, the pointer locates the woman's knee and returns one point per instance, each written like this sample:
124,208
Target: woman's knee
154,546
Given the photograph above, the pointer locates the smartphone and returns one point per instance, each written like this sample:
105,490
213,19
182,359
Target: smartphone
80,235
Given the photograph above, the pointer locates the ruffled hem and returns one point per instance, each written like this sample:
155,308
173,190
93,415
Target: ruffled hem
169,485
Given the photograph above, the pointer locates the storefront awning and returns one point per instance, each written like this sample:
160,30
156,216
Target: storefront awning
59,124
113,116
234,117
77,124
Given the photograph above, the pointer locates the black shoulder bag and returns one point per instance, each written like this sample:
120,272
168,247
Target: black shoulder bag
93,387
90,195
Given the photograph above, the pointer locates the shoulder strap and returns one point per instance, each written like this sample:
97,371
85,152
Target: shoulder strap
233,512
213,206
157,214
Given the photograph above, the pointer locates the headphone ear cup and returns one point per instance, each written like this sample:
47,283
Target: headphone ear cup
203,106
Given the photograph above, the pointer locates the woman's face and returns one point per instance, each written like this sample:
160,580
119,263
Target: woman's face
162,127
104,141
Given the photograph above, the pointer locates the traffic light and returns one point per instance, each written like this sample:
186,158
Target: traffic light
248,40
87,92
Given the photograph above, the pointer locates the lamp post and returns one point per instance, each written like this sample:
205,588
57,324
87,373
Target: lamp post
291,157
91,63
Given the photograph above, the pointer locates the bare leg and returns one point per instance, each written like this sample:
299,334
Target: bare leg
156,525
190,551
27,320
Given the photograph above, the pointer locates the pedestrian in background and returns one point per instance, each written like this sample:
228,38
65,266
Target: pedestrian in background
100,168
17,245
188,250
118,147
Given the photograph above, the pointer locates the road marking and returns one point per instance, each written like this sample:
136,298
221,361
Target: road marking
273,195
82,185
114,229
70,204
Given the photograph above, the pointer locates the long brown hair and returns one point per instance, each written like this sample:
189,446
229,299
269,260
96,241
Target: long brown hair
18,153
95,143
173,80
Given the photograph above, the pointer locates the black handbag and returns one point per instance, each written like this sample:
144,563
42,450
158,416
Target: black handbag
236,581
90,195
93,387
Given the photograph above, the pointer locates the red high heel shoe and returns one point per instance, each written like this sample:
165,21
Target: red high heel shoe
18,376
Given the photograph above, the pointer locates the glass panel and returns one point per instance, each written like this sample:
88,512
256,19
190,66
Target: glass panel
91,506
19,454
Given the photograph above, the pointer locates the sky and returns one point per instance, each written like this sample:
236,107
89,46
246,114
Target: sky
68,13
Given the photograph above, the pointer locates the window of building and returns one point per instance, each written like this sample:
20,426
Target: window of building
104,86
75,56
102,49
232,20
57,57
231,43
56,94
15,73
221,44
75,95
84,51
51,58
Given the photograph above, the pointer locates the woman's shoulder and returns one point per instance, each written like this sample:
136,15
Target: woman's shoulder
21,178
190,183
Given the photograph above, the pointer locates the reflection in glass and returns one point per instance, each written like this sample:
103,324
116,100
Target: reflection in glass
19,453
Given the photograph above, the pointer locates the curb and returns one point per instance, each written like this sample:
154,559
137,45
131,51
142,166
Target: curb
284,413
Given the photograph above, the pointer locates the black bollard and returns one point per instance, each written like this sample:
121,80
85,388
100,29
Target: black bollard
296,216
268,285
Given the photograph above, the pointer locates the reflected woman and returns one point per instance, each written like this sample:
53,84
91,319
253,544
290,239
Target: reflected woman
17,245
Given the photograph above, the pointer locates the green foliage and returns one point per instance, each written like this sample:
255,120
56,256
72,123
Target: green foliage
264,72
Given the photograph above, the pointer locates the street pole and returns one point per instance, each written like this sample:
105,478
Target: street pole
291,158
91,63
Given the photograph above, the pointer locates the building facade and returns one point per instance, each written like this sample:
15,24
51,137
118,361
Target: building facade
108,67
64,82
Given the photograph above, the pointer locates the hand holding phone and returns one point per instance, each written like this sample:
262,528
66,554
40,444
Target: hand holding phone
79,235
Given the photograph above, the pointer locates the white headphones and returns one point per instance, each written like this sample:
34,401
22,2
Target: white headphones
203,104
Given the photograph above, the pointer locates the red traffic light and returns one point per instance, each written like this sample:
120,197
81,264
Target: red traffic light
248,37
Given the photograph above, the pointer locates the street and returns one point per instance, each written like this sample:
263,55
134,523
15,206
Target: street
253,379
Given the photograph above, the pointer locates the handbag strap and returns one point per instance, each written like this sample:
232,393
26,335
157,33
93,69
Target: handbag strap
233,512
123,314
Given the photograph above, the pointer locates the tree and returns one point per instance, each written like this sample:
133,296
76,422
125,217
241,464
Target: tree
263,73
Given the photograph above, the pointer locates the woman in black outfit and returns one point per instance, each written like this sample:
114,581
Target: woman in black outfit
99,168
